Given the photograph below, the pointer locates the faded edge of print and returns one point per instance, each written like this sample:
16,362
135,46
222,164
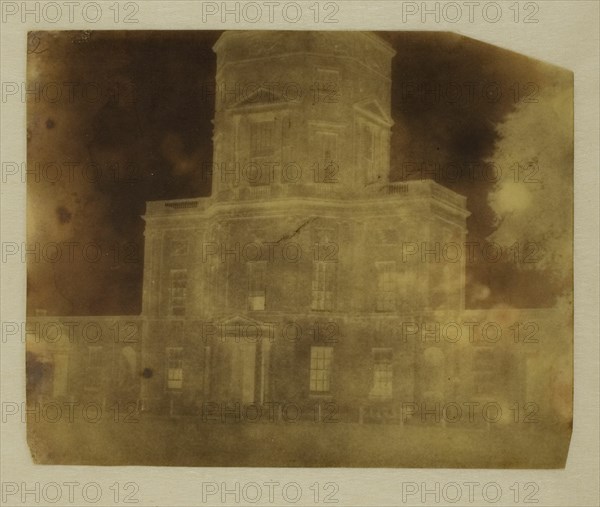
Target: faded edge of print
309,249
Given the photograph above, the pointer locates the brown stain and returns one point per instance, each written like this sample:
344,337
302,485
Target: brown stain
37,373
64,215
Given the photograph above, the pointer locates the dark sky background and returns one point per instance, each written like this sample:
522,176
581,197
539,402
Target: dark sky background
156,129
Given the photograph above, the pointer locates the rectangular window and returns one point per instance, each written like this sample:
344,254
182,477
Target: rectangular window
178,292
367,148
320,369
327,89
406,280
450,283
386,286
257,289
370,152
262,153
261,138
60,375
324,236
206,373
327,145
93,372
174,367
484,368
382,374
323,285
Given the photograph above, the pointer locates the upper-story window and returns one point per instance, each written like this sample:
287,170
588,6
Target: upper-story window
178,292
325,247
325,151
261,138
484,367
323,285
262,152
370,153
386,286
320,369
382,374
326,89
94,366
328,148
257,289
174,359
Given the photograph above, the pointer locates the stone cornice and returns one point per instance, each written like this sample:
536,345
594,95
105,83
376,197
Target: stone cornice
186,214
299,53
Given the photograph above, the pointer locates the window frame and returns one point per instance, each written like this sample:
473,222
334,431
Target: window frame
178,373
484,368
323,91
94,368
320,370
370,148
323,286
257,288
387,286
382,387
178,296
266,154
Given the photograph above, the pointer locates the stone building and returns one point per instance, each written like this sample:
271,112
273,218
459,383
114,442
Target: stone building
307,277
292,280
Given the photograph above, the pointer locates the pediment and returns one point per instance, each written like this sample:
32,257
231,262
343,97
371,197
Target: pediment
237,319
372,109
261,96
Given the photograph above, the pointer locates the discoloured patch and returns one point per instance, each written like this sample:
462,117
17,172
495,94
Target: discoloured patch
63,214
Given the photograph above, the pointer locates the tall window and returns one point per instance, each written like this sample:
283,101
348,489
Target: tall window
174,367
178,292
206,374
382,374
323,285
257,290
369,149
327,148
261,138
386,286
327,89
93,369
484,367
262,152
320,369
451,282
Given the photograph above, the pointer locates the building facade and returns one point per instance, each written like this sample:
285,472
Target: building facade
292,280
307,277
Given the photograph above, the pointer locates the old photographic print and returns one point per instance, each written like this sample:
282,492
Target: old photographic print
297,249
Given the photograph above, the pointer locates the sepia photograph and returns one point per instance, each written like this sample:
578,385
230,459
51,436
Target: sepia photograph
268,248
